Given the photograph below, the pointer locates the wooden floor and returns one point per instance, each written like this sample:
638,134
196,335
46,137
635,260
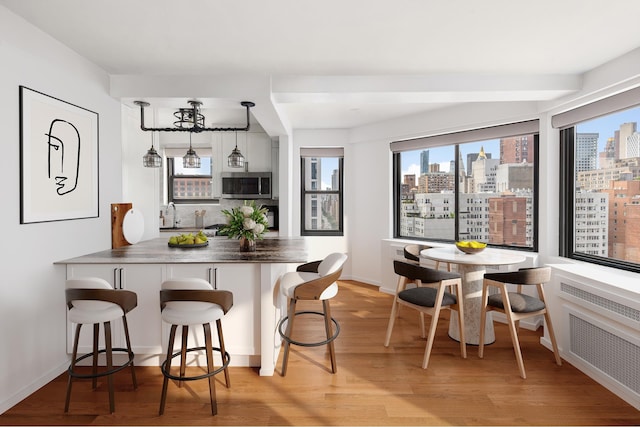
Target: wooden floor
374,385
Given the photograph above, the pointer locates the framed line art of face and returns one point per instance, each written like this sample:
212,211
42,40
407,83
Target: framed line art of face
58,159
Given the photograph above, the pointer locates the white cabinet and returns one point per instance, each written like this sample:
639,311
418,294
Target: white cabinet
254,146
241,325
144,320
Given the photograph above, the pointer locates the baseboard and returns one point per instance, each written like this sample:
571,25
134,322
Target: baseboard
29,389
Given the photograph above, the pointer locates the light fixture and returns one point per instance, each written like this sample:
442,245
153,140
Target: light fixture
191,120
236,159
152,159
191,159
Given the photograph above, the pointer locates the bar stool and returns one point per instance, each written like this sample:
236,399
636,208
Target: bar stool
92,300
193,301
312,281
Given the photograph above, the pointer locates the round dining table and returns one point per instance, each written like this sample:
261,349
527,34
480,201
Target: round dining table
472,268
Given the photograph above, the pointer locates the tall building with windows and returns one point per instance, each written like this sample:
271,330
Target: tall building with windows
517,149
626,130
424,162
591,227
586,151
608,156
624,227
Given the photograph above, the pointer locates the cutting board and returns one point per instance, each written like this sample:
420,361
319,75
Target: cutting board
118,212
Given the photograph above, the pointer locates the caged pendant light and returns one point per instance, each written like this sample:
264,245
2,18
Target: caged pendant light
192,120
152,159
236,159
191,159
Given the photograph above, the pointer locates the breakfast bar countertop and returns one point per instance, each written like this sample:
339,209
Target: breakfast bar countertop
219,250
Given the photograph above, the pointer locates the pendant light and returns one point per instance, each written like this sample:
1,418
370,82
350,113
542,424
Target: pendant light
191,159
236,159
152,159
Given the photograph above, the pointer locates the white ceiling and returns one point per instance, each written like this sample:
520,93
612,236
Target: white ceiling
344,63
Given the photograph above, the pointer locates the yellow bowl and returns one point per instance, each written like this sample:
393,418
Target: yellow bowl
469,249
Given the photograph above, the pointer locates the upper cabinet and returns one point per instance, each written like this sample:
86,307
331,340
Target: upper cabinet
254,146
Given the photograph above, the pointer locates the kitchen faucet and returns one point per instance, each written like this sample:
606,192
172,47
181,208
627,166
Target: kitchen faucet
175,219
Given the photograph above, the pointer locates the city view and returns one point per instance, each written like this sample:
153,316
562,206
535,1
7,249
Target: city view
497,190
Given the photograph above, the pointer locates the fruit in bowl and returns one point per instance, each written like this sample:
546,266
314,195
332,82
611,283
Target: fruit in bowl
470,246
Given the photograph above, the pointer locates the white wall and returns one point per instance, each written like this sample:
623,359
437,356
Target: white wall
32,318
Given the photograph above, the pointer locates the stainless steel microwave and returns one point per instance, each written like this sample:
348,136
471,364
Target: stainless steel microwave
246,185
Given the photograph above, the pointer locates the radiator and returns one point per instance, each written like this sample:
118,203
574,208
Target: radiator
604,340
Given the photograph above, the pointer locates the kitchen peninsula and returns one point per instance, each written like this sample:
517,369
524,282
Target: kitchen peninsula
250,326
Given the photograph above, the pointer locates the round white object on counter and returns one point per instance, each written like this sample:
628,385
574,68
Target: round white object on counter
133,226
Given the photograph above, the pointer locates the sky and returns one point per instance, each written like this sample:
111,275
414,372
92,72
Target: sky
604,126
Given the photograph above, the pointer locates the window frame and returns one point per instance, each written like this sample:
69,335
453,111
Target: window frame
464,137
170,181
304,193
567,209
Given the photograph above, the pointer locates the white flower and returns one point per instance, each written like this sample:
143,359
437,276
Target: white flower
259,228
248,224
246,211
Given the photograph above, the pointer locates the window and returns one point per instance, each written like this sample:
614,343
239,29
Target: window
321,173
186,185
600,173
473,185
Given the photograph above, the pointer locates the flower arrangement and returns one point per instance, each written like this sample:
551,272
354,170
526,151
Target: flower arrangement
248,221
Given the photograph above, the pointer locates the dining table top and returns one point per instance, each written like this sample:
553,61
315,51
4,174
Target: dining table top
489,256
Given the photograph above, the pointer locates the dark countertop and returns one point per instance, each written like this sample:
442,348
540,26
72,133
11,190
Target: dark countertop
220,250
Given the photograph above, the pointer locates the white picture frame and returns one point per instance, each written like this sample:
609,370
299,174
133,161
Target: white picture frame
58,159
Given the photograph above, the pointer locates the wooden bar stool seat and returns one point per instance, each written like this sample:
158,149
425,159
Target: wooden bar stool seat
190,302
311,281
92,300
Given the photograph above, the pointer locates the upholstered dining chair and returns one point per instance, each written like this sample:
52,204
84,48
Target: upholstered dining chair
315,280
412,253
429,296
190,302
92,300
517,305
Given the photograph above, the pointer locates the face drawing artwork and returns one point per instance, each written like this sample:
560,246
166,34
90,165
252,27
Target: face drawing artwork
63,155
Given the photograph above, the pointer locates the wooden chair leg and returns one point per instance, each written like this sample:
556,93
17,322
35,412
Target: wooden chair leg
212,382
165,383
74,356
552,337
432,335
126,335
96,334
183,352
483,321
463,338
291,313
392,319
223,352
513,330
329,331
109,353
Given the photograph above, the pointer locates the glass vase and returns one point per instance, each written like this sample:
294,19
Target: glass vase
247,245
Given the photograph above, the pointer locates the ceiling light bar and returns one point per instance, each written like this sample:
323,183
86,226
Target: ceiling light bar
191,113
